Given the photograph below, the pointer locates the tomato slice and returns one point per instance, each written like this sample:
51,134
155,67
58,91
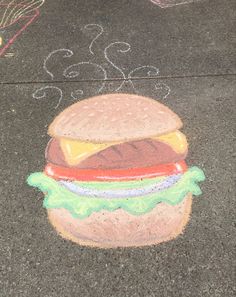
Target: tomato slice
66,173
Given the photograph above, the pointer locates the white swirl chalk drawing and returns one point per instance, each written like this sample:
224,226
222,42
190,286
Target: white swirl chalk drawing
88,27
69,73
74,71
67,54
76,94
170,3
41,93
121,50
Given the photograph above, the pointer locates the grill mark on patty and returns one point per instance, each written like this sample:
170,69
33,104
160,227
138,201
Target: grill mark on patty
152,145
115,149
100,156
133,146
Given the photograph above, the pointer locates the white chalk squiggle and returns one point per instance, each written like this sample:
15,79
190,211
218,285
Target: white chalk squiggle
170,3
152,71
74,70
68,54
68,73
89,26
77,94
42,93
161,86
126,49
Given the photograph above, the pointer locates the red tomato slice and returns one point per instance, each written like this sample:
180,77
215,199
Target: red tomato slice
66,173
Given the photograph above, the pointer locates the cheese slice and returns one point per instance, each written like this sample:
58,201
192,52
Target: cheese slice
176,140
76,151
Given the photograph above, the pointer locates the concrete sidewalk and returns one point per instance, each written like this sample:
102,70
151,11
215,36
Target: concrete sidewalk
183,56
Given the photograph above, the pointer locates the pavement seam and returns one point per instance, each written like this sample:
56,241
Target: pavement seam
118,79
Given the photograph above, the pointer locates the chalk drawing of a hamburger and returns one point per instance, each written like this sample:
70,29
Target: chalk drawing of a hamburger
115,173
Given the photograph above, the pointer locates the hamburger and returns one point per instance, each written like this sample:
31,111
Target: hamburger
115,173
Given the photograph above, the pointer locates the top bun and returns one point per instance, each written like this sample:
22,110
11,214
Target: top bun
114,117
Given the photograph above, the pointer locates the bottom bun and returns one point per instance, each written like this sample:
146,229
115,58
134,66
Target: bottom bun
120,229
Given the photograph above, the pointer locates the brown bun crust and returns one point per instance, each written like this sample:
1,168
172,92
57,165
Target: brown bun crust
114,117
121,229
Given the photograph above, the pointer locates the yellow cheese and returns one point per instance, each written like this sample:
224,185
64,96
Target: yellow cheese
176,140
76,151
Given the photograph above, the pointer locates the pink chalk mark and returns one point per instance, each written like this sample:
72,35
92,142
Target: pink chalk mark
12,40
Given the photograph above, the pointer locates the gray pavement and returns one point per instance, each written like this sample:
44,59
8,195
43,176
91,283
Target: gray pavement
184,57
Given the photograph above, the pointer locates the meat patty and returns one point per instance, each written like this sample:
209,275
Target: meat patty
133,154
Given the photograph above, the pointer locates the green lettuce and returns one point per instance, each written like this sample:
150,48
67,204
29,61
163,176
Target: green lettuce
57,196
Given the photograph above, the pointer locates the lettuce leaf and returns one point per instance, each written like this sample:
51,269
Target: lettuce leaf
57,196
